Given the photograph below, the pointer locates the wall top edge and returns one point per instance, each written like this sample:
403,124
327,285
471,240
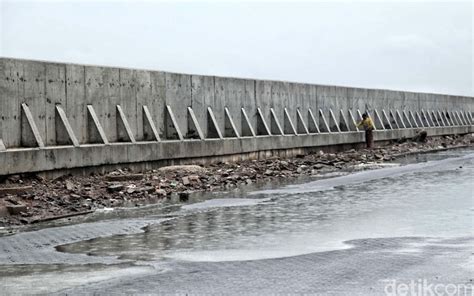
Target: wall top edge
361,89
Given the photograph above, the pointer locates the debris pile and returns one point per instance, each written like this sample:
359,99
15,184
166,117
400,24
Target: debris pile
29,199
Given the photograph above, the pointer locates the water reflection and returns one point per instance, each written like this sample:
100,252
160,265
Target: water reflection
438,202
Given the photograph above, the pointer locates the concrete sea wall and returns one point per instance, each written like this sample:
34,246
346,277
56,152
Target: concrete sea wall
56,116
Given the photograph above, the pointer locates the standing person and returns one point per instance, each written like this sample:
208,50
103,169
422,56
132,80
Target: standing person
368,127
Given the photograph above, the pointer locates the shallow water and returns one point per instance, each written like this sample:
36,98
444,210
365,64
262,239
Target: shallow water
433,199
428,196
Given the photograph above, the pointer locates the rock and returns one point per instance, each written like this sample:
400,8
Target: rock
69,185
183,196
185,181
130,190
318,166
149,189
15,190
378,156
16,209
161,192
4,211
421,136
248,181
182,169
268,173
194,178
114,188
127,177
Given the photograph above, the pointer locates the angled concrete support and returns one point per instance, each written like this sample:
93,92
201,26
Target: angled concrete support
30,135
352,122
64,132
461,121
230,130
95,132
445,119
393,119
343,124
262,126
2,146
426,122
454,119
407,119
323,124
386,120
440,118
247,129
466,118
436,119
124,132
419,120
360,115
430,118
333,124
449,118
400,119
172,130
213,130
194,129
378,121
413,119
150,133
288,126
312,124
301,127
275,127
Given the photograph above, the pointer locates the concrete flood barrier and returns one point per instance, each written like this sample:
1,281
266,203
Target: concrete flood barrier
57,117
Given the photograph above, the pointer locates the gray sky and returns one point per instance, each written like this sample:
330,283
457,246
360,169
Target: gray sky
418,46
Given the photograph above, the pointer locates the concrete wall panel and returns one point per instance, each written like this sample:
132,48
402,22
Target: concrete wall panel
178,96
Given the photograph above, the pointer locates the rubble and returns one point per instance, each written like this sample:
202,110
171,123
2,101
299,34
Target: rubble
29,199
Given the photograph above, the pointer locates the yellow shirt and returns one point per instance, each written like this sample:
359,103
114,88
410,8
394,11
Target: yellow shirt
367,123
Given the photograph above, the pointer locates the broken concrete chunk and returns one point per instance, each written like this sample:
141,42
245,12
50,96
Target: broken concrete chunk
15,190
115,188
129,177
16,209
182,169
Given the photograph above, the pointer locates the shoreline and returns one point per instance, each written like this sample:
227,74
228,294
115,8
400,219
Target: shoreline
31,199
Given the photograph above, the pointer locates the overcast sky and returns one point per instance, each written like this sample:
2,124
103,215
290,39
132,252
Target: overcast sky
418,46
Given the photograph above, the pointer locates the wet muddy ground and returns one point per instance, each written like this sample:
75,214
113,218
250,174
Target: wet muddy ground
26,199
345,234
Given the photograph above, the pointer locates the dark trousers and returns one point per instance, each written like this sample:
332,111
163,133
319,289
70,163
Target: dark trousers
369,138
